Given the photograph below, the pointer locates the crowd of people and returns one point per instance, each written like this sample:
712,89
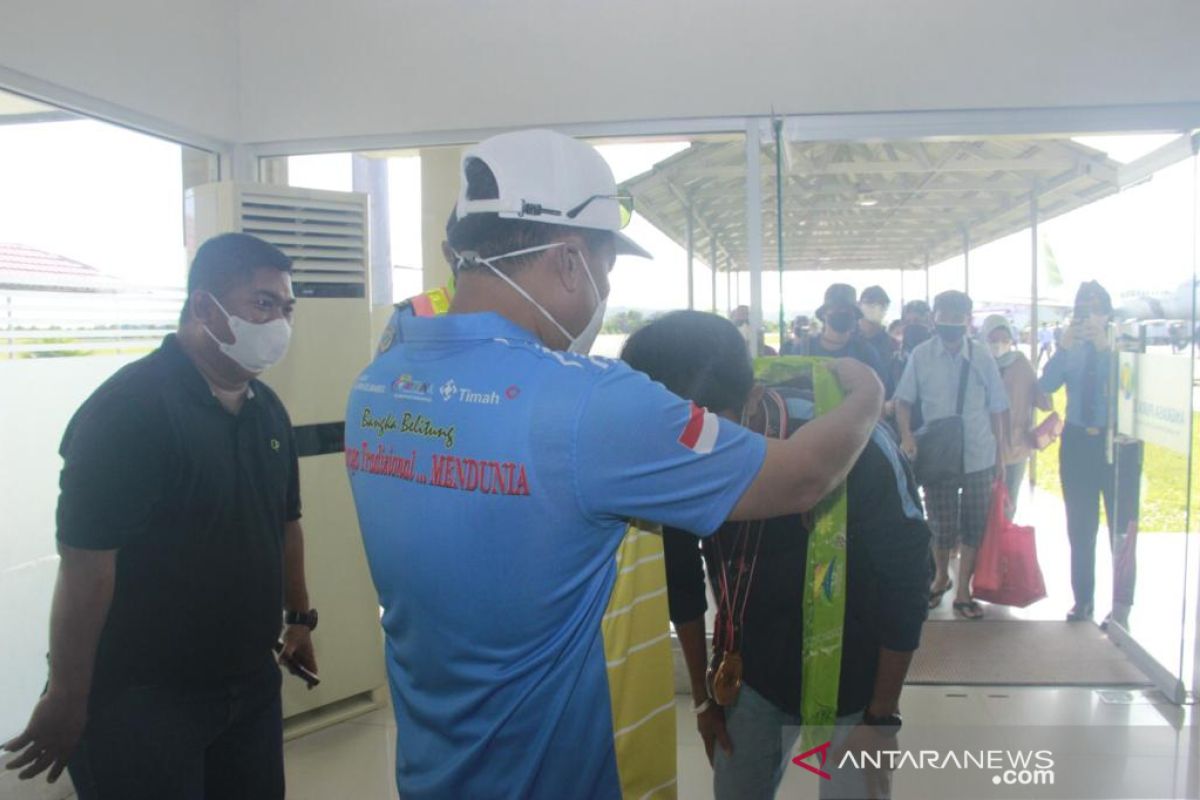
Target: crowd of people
940,365
496,468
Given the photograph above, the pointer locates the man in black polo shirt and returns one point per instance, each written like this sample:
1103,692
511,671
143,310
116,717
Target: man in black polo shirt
757,572
180,541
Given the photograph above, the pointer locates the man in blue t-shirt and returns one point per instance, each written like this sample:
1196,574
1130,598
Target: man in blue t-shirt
495,466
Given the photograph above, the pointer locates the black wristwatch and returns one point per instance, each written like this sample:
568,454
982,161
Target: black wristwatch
885,721
308,618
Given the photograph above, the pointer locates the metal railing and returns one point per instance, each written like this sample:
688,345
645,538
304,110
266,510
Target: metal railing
48,324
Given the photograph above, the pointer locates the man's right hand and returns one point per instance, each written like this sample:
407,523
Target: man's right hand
856,378
50,737
711,725
909,445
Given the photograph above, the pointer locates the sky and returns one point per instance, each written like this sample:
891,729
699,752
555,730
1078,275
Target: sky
112,198
96,193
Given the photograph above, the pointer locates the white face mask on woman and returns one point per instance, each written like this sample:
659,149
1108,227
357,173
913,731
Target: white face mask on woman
1000,348
578,343
256,346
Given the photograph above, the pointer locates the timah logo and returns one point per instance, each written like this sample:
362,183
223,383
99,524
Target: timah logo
449,389
821,750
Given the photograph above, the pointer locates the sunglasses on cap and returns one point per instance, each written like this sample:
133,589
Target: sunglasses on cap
624,208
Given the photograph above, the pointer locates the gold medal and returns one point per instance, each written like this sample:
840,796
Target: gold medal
728,679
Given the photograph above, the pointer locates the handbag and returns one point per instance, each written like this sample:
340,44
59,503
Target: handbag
1006,569
1048,431
941,445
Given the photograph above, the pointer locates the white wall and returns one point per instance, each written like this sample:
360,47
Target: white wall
168,60
393,66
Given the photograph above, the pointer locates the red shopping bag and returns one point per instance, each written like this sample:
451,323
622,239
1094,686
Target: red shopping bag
1006,569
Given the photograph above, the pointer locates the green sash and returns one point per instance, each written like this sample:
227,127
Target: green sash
825,572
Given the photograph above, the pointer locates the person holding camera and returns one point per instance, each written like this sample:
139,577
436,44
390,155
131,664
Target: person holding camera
1084,364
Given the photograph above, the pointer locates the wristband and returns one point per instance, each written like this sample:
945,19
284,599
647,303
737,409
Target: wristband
705,706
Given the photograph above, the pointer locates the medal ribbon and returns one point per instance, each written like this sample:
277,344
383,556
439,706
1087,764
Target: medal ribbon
825,570
730,603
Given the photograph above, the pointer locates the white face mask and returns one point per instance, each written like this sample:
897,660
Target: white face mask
1000,348
255,347
579,343
874,313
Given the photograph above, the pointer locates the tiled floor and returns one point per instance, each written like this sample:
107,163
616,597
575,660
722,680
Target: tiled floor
1145,747
1138,745
1157,746
1139,748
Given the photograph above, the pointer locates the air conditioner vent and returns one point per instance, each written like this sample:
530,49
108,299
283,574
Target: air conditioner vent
324,233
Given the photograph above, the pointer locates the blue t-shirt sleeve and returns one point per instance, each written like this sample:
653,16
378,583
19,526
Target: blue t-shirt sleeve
646,453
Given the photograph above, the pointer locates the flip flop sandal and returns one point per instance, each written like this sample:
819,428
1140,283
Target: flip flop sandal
935,598
969,610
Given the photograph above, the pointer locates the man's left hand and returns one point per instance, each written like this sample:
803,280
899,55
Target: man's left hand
298,647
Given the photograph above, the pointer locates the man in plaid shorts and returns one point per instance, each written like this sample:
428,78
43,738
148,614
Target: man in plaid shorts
958,507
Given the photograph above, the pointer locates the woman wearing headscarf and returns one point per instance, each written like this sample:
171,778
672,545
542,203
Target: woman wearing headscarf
1020,382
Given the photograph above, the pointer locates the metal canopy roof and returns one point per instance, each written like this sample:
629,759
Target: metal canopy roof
854,205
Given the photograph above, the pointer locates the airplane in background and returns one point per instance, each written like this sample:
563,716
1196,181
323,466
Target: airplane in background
1168,304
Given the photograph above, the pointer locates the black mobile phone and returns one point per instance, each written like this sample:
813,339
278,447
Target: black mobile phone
309,677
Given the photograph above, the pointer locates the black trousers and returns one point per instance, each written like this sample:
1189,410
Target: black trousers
1088,477
174,743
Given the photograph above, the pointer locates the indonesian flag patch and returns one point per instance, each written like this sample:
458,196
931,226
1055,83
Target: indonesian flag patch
700,433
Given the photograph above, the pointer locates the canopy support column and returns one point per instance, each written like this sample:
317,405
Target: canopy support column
966,235
712,264
777,123
691,257
1033,306
728,286
754,227
927,278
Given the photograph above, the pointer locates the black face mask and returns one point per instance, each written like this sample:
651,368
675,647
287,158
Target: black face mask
841,321
951,333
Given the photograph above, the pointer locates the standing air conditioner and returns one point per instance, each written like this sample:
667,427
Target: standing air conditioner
325,234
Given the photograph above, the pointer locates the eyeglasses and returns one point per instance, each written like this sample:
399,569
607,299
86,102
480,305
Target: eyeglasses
624,208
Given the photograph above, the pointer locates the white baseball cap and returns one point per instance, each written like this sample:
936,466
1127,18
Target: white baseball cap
545,176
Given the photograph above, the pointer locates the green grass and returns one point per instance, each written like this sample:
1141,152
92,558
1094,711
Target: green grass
1164,501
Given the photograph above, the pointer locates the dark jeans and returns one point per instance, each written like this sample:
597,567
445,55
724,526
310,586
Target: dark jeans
221,742
1086,477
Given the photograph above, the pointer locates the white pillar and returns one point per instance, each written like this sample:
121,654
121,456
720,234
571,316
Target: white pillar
1033,305
691,257
1193,321
1033,275
754,248
966,260
712,264
439,193
370,176
728,286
